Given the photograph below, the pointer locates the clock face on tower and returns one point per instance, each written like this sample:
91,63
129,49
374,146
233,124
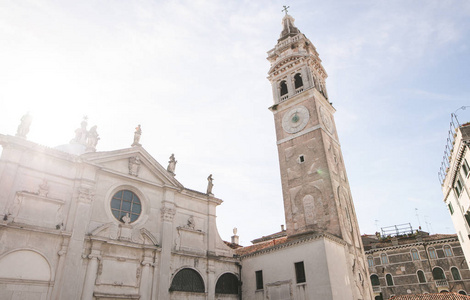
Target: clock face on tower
296,119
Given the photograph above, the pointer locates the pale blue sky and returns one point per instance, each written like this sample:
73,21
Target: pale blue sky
193,73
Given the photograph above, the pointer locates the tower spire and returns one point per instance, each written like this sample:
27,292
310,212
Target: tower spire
288,27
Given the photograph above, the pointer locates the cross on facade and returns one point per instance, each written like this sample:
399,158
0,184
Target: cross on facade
285,8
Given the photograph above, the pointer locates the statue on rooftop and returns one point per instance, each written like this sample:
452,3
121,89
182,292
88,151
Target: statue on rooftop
81,133
137,134
92,138
172,164
23,128
210,185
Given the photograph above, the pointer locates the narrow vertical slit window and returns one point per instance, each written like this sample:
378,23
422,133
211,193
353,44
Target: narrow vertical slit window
300,272
259,280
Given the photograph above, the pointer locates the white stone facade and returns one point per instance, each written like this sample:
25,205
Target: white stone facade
81,224
456,186
60,240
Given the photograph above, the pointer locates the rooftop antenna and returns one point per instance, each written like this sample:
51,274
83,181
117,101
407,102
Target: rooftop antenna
376,225
417,216
428,224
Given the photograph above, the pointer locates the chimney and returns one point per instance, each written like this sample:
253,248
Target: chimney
282,228
235,237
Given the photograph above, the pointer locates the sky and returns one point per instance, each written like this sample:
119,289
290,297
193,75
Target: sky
193,74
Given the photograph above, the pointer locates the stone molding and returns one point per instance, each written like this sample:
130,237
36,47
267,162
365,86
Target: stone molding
297,242
443,241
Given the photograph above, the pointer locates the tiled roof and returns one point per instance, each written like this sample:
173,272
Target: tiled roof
270,237
232,245
261,245
441,296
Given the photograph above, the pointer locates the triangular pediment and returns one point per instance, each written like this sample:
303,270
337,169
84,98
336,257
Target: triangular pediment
133,162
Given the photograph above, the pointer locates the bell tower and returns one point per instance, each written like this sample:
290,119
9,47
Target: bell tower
316,193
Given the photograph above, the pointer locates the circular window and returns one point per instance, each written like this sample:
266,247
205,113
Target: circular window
126,203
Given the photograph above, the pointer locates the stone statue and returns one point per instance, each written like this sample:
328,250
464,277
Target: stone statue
126,219
81,133
235,230
191,224
137,134
134,165
172,164
210,185
23,128
92,138
43,188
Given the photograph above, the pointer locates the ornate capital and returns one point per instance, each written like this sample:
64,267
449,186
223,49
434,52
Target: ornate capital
147,262
168,214
85,195
94,255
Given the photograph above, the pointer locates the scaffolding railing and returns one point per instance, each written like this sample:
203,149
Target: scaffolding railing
395,230
449,146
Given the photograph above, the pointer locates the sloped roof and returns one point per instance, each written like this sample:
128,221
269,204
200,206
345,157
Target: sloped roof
441,296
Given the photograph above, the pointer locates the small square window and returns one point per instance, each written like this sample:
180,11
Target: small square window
301,159
300,272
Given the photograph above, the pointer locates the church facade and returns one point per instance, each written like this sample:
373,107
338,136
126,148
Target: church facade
82,224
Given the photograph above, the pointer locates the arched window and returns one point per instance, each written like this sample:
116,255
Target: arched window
384,258
432,253
187,280
370,261
374,280
447,250
389,279
298,81
455,273
227,284
462,292
283,87
126,203
414,254
421,277
438,273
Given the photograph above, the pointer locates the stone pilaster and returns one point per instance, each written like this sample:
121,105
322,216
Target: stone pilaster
91,271
168,212
58,279
146,281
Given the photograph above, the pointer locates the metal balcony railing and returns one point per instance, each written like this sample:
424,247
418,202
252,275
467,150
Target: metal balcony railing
442,283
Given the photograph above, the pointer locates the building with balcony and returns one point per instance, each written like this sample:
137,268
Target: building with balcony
416,263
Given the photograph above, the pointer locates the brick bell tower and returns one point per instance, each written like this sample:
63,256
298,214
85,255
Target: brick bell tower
317,197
